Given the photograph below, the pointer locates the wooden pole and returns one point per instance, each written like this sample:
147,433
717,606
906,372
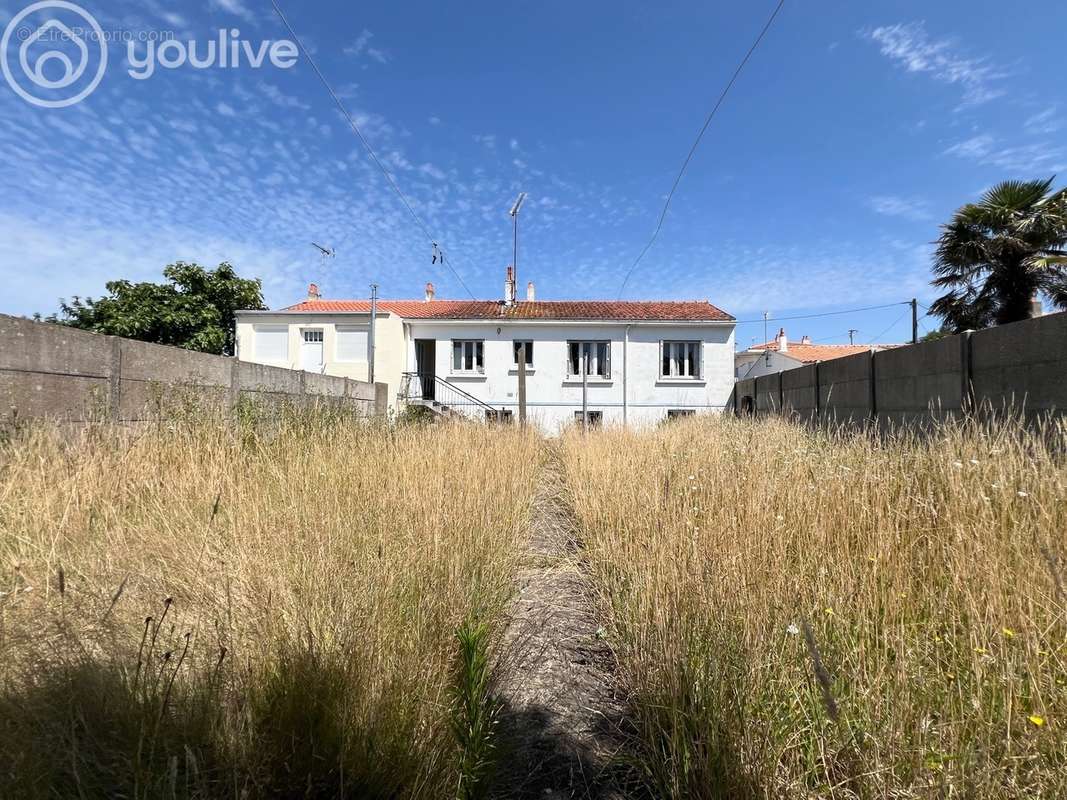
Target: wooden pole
585,388
522,384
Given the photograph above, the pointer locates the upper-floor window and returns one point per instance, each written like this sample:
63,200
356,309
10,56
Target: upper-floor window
680,360
351,343
596,355
468,355
272,343
515,352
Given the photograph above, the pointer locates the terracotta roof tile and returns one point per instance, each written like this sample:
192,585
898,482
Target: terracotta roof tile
810,353
691,310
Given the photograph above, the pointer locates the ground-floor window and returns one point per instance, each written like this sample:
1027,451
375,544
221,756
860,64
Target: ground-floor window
515,352
592,418
597,356
680,360
468,355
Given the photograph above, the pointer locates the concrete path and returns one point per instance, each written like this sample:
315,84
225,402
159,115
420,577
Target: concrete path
566,724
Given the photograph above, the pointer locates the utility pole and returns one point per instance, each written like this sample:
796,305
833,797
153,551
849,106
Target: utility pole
370,333
852,335
914,321
515,231
585,385
766,346
522,384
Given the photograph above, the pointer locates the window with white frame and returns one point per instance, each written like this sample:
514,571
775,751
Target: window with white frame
351,343
272,343
680,360
313,336
468,355
593,419
596,355
515,345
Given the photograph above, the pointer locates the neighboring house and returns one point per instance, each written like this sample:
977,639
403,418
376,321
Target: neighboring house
646,361
781,354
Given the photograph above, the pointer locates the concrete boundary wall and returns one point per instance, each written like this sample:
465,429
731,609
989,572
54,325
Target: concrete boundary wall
1020,366
62,373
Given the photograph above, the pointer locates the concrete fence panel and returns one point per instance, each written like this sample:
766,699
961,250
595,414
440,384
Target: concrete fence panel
845,388
800,393
57,372
1021,365
922,381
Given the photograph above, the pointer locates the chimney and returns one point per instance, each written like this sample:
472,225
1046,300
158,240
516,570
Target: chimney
530,294
1035,306
783,342
805,339
429,292
313,292
509,287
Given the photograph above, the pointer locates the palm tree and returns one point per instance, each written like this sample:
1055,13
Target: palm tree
997,253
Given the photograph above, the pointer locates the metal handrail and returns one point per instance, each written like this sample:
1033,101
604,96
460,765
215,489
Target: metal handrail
414,384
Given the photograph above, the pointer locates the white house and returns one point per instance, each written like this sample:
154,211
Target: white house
646,361
781,354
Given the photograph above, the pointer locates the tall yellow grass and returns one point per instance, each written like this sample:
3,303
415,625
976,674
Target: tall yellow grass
316,579
925,570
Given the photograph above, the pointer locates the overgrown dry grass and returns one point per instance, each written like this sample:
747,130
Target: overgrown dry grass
928,571
198,610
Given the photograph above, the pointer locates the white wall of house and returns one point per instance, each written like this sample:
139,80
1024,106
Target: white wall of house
554,395
753,365
278,339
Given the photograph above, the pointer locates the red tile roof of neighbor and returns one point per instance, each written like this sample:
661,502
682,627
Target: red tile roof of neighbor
810,353
688,310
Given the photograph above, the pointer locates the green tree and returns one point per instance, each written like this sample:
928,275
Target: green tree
194,309
997,253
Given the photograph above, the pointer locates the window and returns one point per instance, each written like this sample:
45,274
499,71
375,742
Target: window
272,343
592,418
468,355
314,336
597,356
501,415
351,343
515,353
680,360
678,413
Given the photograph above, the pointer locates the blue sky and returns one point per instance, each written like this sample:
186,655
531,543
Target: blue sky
854,131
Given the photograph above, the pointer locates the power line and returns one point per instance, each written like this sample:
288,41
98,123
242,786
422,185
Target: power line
887,330
824,314
696,143
366,144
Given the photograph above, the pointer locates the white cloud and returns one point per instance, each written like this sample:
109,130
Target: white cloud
1044,122
225,110
278,97
486,140
1026,161
911,208
235,7
910,47
362,46
435,120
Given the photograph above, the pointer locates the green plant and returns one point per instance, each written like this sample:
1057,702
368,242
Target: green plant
475,711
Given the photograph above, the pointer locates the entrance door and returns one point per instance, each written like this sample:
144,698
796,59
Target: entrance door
426,365
311,352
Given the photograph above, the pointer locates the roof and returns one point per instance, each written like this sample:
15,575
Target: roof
652,311
810,353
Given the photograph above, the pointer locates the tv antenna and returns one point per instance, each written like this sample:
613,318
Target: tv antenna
325,252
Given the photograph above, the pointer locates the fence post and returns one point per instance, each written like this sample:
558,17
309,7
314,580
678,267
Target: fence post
966,387
781,396
872,401
818,394
114,388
